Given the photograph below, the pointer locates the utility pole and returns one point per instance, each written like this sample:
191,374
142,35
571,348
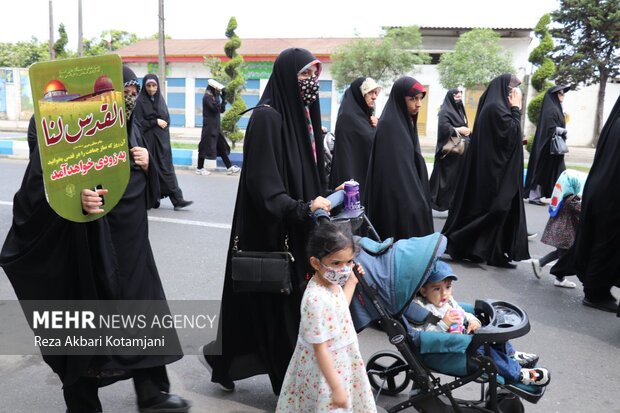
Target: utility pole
52,53
162,50
80,40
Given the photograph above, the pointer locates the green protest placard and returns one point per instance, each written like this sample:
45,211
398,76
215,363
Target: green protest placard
81,129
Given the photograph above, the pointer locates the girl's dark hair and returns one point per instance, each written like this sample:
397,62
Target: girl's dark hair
329,237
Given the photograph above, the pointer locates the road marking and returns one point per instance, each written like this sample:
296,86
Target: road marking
190,222
170,220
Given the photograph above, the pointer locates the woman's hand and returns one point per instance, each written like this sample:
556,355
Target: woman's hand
515,98
473,326
162,123
373,121
141,157
320,203
340,400
463,130
91,200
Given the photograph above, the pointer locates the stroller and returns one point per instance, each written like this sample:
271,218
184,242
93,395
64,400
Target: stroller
395,271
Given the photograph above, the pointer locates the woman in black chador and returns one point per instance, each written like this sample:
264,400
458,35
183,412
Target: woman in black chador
280,185
544,169
212,141
397,197
487,217
47,257
451,118
598,236
151,114
355,132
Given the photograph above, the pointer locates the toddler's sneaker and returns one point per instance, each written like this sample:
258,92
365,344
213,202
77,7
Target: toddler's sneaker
525,360
202,171
537,377
233,170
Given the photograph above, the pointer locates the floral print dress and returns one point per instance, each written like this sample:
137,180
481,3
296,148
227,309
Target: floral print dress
325,317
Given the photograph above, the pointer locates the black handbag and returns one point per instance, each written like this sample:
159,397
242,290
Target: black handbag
558,144
262,271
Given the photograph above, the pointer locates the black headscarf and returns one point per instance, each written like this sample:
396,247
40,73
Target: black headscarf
598,236
398,196
153,107
487,216
543,168
354,137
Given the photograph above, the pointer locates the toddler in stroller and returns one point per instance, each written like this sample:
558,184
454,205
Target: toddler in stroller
395,272
449,317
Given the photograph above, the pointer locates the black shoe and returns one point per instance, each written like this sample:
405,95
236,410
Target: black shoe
536,202
603,304
226,385
182,204
173,404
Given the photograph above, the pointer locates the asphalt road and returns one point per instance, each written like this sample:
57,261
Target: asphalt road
578,344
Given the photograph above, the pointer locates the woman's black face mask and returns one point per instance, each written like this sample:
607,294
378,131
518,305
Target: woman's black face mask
309,89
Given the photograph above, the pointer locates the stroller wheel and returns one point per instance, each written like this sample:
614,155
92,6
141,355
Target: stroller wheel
388,373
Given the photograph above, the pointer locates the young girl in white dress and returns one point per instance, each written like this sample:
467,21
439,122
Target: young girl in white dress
327,371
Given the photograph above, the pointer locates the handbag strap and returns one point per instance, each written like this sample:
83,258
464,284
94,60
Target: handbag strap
237,220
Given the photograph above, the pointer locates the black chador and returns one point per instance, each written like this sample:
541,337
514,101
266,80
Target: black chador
598,236
280,175
398,196
148,109
487,217
354,137
543,168
447,167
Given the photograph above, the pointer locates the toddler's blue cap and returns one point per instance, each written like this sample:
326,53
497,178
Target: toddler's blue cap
441,272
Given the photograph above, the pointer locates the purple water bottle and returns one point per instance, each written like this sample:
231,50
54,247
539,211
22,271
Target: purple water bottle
351,195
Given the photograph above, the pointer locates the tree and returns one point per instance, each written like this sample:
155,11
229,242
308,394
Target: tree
546,68
477,59
100,45
23,54
59,45
384,59
588,46
230,74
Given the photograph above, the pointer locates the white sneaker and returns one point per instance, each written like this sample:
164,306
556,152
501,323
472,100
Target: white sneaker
536,377
536,267
233,170
564,283
202,171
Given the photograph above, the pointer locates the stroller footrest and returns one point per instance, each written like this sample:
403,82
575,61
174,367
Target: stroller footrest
530,393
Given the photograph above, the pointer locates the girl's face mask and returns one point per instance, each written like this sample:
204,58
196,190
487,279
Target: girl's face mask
337,276
309,89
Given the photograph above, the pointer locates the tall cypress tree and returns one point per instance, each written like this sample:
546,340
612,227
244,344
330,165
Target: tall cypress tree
546,68
234,84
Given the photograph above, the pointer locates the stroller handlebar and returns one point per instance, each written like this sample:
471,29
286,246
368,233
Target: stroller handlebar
336,198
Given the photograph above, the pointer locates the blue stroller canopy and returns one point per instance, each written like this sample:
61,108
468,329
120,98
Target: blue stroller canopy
396,271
